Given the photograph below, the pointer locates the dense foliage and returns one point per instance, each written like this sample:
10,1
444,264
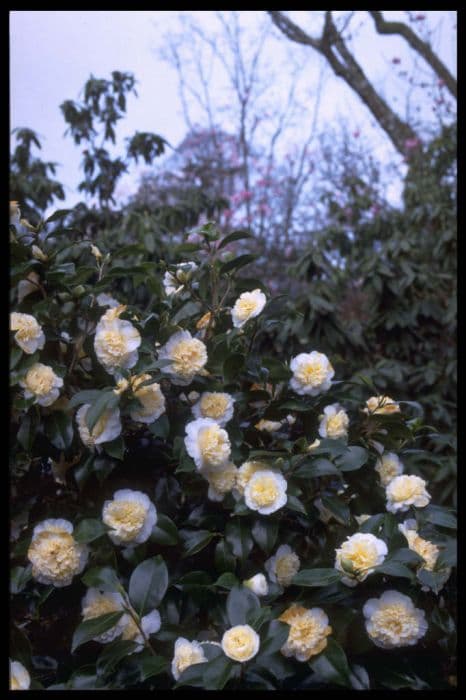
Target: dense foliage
140,390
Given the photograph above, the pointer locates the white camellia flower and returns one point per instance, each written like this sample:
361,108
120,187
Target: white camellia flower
174,282
28,286
240,643
258,584
405,491
247,306
245,472
216,405
116,342
358,556
130,515
55,555
151,398
393,621
29,334
42,383
19,676
308,633
96,603
221,480
388,466
381,404
207,443
266,492
107,428
334,422
270,426
283,565
312,373
427,550
150,624
186,654
187,356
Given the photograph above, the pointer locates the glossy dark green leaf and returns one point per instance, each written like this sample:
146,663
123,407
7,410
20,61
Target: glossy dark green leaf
89,629
351,460
102,577
106,401
236,263
112,654
331,665
241,601
316,578
235,236
164,531
59,429
195,540
238,536
89,530
148,584
265,533
338,509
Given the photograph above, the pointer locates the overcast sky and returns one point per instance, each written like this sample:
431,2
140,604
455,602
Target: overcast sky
53,53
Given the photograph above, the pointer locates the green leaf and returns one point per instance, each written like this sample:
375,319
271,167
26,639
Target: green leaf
232,367
359,678
223,557
57,215
394,568
314,468
295,504
89,530
59,429
373,524
148,584
152,666
256,618
237,534
88,396
164,531
112,654
236,263
352,459
27,431
331,665
227,580
161,427
105,402
235,236
435,580
338,509
241,601
89,629
195,540
102,577
274,638
265,533
20,576
316,578
115,448
439,516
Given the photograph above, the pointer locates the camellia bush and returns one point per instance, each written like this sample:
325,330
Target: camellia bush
187,511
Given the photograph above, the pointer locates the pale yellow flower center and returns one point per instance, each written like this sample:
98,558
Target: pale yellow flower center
40,380
187,656
245,307
54,554
213,405
212,444
131,629
14,683
239,643
264,491
114,343
405,489
337,423
245,473
27,328
188,356
427,550
100,606
286,567
312,372
223,480
394,619
127,517
362,555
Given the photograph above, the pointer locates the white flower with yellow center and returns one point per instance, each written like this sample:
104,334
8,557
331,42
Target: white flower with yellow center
107,428
405,491
29,334
283,566
216,405
334,422
240,643
258,584
174,282
151,398
42,383
187,357
150,624
427,550
245,473
55,555
393,621
308,633
388,466
96,603
247,306
186,654
130,516
270,426
358,556
221,480
312,373
207,443
28,286
116,342
381,404
266,492
19,676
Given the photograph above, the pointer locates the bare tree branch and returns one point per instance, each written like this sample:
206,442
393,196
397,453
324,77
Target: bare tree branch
332,46
416,43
